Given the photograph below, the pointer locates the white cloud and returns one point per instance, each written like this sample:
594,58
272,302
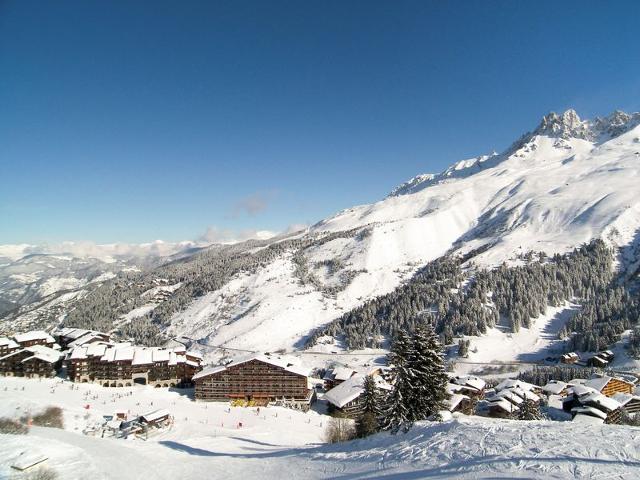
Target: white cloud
222,235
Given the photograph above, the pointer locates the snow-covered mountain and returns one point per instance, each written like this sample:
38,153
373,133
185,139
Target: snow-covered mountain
564,183
34,276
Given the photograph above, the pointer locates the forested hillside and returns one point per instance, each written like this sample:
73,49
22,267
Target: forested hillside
467,302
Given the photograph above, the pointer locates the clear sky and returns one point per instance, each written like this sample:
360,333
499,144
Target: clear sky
133,121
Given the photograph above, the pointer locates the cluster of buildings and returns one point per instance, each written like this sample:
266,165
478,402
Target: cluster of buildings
261,379
91,356
602,399
599,360
31,354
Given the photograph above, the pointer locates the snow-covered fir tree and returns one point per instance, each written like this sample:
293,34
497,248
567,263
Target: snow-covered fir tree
368,422
529,410
420,379
429,374
398,401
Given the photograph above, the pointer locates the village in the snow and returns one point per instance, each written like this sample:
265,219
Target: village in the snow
103,395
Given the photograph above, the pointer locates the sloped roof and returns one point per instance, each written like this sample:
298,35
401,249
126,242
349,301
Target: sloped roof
7,342
346,392
43,353
608,403
511,383
475,383
598,383
554,387
588,419
141,356
624,398
343,373
209,371
33,335
590,411
503,404
454,400
155,415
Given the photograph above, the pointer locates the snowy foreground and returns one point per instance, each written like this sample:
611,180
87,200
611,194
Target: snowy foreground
205,442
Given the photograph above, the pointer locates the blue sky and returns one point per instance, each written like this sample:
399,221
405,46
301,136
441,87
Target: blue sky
133,121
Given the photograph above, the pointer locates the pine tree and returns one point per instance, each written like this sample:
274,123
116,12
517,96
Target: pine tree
368,422
429,375
529,410
396,413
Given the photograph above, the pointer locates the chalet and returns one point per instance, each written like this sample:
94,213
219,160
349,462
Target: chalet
609,386
347,396
469,385
35,361
511,383
596,404
556,387
122,365
258,378
157,418
460,403
36,337
607,355
335,376
509,395
630,403
7,346
569,358
597,361
501,407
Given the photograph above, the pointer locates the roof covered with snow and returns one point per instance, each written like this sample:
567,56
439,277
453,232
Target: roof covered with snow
554,387
290,365
7,342
43,353
33,335
346,392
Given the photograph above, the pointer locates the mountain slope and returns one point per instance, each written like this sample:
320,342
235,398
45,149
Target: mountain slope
563,184
545,193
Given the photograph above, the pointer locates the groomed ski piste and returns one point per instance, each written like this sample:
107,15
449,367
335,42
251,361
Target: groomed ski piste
206,441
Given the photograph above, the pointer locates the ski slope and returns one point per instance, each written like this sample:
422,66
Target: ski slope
280,443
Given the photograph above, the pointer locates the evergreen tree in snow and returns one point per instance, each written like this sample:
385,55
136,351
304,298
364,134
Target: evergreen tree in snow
396,413
420,379
529,410
429,374
367,422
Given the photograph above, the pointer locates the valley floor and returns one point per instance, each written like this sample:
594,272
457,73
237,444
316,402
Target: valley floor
206,442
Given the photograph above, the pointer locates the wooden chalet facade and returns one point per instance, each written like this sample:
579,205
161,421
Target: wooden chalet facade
35,361
609,386
7,345
261,379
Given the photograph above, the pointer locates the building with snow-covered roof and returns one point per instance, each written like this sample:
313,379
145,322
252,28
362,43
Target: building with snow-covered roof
122,365
585,400
470,385
34,361
630,403
346,397
609,386
7,345
34,337
336,375
257,378
556,387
